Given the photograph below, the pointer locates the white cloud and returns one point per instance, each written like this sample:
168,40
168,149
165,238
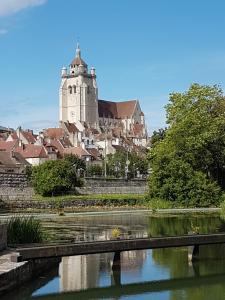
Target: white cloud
9,7
3,31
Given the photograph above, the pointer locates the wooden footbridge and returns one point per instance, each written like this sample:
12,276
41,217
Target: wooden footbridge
117,246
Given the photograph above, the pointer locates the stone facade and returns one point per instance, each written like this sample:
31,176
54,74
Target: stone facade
79,93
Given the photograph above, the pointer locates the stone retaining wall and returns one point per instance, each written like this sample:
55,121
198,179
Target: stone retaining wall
3,236
74,203
14,274
14,186
113,186
15,180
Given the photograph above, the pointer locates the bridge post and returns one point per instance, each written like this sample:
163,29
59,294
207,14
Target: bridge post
116,269
193,253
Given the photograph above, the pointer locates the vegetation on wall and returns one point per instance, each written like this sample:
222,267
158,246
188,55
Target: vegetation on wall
188,160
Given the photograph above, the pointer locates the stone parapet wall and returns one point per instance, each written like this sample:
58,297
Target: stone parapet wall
3,236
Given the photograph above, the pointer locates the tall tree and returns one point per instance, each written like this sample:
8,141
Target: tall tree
189,163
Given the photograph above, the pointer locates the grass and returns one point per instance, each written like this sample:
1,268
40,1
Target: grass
22,230
155,204
92,197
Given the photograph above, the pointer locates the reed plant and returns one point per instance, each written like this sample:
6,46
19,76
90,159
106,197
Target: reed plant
22,230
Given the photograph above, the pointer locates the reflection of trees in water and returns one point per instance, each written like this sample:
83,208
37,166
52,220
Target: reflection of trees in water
175,260
182,224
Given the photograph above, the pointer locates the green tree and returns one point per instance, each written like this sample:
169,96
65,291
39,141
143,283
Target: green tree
158,136
54,177
188,163
116,163
75,161
94,170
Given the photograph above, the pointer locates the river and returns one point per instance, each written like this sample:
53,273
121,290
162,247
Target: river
162,274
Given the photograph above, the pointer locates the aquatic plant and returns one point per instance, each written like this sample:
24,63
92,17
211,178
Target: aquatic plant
21,230
116,233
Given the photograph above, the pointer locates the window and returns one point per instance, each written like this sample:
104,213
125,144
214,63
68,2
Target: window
88,89
74,89
70,89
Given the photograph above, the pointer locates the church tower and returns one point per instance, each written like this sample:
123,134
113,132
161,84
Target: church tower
78,93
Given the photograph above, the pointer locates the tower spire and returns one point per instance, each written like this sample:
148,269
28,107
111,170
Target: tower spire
78,50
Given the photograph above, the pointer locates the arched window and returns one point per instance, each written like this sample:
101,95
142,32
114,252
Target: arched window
74,89
70,89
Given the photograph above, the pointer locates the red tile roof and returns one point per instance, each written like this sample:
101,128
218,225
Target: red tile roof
31,151
7,146
57,144
95,153
118,110
78,61
79,151
28,135
71,127
54,133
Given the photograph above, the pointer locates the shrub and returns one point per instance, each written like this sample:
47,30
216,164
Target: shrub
21,230
94,170
54,177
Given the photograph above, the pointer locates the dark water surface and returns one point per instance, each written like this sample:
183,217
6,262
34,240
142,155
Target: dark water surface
149,274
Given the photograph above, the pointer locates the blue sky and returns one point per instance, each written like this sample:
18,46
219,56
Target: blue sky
141,49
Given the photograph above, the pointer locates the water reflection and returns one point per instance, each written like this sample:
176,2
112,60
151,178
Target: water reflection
148,274
136,225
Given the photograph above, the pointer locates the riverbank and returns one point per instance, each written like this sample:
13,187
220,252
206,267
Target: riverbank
92,203
75,203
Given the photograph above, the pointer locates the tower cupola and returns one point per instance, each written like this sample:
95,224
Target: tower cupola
78,65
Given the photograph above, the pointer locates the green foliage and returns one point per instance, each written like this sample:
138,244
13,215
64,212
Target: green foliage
55,177
94,170
116,164
188,163
28,171
75,161
155,204
158,136
21,230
